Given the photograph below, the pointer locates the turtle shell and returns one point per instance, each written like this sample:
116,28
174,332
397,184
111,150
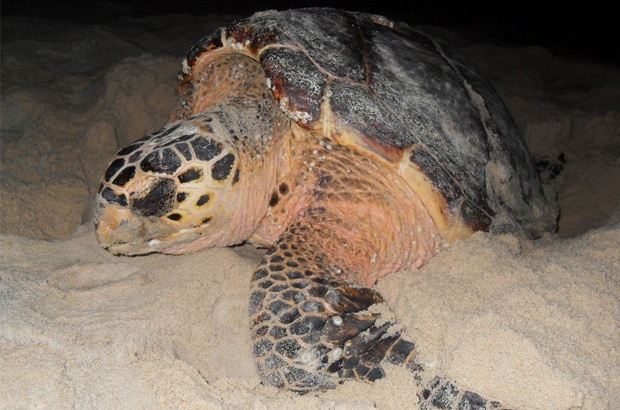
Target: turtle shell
390,90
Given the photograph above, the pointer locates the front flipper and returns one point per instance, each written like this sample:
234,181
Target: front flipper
311,329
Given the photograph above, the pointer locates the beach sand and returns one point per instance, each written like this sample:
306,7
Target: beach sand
533,323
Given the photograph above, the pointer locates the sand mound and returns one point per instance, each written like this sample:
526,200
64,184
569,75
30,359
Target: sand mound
535,324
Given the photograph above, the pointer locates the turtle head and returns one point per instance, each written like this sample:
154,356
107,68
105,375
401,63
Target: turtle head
174,191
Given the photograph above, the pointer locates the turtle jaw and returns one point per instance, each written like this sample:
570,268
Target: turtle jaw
122,232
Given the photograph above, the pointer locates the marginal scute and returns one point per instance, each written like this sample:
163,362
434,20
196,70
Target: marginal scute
207,43
297,83
472,208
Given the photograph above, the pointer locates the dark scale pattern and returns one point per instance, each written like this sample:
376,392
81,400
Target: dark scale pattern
441,393
206,149
129,149
164,161
221,169
395,88
184,150
274,362
203,200
157,201
192,174
135,156
291,295
288,347
113,168
125,176
310,329
236,177
113,198
277,332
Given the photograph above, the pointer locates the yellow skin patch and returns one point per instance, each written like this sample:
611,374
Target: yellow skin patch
242,128
199,206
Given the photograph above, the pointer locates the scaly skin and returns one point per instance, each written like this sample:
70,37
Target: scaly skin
315,320
313,326
236,169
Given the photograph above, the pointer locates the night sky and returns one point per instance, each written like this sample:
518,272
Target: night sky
584,30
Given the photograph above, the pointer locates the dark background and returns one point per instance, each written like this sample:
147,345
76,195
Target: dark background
580,29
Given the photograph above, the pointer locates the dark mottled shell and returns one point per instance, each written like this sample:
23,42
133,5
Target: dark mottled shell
399,91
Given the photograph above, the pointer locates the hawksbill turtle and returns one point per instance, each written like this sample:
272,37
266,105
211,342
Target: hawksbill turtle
350,146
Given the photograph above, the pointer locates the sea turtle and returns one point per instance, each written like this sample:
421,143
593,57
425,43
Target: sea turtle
349,145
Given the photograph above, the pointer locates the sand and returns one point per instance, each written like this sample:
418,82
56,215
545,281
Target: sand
536,324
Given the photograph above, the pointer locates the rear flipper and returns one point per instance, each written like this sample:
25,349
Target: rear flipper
311,330
441,393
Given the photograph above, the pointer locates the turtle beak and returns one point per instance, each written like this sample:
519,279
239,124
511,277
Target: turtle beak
123,232
114,225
